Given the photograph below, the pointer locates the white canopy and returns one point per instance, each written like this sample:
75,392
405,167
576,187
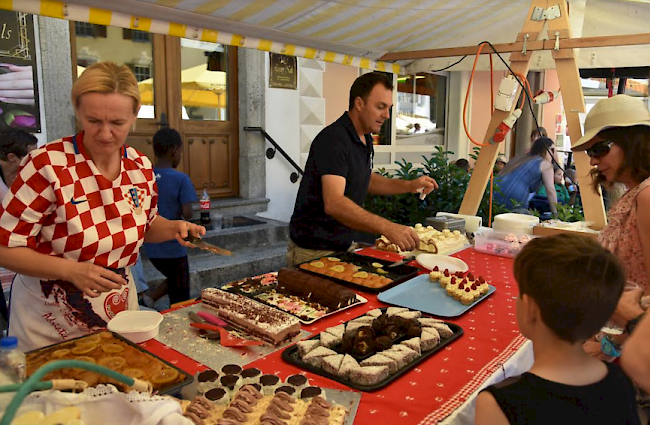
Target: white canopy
360,32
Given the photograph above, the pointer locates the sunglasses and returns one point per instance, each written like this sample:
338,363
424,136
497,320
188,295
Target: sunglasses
600,149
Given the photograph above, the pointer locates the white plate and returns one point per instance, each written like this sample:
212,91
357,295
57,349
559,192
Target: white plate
443,262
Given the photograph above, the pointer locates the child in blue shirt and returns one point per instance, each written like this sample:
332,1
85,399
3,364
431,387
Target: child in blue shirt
175,197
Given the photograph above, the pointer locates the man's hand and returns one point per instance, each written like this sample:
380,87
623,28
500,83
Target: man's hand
628,307
92,280
402,236
424,183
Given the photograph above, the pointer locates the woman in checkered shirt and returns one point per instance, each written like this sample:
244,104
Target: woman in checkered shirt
74,219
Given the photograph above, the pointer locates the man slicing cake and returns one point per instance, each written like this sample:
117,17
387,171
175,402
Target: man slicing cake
328,215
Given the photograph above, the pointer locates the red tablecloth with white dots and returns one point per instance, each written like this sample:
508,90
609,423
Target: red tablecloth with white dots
430,392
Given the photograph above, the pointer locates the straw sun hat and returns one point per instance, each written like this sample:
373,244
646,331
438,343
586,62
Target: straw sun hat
617,111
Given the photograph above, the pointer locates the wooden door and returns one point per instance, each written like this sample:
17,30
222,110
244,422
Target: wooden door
145,54
203,108
177,89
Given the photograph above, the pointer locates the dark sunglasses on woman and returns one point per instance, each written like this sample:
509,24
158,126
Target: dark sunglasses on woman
600,149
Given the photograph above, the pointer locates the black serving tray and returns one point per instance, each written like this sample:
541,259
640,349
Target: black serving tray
397,274
170,390
255,290
291,355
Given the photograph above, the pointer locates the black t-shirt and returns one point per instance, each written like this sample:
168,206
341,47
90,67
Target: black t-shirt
336,150
529,399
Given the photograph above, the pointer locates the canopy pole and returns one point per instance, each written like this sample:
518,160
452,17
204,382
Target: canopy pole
573,99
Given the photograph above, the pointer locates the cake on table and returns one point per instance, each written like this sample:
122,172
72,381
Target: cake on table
252,317
374,346
304,295
334,267
431,240
462,286
249,405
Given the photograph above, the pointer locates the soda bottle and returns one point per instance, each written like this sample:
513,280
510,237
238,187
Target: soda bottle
205,207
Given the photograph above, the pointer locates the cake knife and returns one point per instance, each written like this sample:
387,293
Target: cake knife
203,333
201,244
403,261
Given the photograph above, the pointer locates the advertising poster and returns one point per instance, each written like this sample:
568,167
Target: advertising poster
18,80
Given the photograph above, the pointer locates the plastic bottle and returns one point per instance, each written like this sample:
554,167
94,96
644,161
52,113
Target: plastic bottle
205,207
12,360
12,367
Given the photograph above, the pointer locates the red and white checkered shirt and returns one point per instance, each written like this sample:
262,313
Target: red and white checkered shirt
61,205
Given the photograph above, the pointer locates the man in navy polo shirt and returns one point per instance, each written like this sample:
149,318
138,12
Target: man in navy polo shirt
328,215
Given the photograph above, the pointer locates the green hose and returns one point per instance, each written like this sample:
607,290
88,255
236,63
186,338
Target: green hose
33,381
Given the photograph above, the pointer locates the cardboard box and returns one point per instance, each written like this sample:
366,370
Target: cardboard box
549,231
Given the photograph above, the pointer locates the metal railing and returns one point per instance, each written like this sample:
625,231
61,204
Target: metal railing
270,153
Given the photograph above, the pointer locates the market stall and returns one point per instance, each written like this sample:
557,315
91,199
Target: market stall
442,388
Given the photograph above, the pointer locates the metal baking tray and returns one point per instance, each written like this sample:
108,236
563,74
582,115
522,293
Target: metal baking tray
170,390
291,355
398,274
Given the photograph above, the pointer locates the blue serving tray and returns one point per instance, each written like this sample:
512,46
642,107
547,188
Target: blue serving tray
420,293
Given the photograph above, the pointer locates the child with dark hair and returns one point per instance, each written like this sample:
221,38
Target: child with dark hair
558,308
175,197
14,146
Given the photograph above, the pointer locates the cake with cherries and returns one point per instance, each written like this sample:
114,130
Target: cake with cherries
431,240
462,286
252,317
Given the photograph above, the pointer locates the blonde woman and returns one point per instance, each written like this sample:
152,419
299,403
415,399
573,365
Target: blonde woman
74,219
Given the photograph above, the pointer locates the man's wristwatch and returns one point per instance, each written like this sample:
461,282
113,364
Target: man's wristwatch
632,323
609,347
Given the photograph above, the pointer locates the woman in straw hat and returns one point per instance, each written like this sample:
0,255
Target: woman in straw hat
617,140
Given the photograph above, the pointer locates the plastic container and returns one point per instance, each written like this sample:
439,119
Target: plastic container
515,223
12,367
136,326
12,360
502,244
472,222
444,222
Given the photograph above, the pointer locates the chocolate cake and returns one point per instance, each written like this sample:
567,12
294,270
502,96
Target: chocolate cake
313,288
252,317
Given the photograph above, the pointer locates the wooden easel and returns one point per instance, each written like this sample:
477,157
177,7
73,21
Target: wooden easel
574,104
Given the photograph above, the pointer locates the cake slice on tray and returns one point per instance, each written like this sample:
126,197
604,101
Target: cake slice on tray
252,317
348,364
307,345
315,357
332,364
369,375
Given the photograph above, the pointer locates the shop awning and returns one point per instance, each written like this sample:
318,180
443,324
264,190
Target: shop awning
358,32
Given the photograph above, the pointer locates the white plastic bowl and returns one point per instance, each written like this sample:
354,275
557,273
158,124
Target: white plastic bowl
136,326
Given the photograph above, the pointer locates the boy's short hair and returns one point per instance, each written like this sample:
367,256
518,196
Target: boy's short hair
574,280
165,140
15,141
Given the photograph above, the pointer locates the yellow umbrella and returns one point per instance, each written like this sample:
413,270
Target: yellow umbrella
200,88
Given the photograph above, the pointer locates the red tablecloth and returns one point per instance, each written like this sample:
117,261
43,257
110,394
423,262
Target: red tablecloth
433,390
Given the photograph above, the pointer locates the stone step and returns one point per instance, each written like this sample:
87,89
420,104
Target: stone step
234,206
212,271
263,233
